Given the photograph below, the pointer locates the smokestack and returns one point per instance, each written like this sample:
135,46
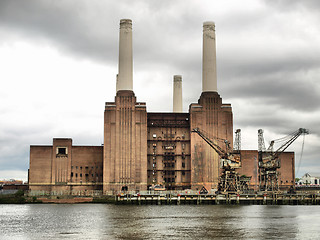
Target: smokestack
177,93
209,71
124,79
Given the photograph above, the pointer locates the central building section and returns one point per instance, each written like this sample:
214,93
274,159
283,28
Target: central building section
169,150
143,150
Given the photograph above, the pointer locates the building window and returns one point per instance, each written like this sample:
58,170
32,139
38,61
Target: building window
76,175
183,165
183,173
80,174
71,174
61,151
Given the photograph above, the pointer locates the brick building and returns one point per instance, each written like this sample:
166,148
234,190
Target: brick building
142,148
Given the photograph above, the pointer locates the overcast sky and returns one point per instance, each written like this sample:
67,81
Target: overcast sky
59,60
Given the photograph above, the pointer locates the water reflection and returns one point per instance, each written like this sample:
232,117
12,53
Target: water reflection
98,221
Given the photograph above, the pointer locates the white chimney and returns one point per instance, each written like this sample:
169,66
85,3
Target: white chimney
209,71
125,79
177,93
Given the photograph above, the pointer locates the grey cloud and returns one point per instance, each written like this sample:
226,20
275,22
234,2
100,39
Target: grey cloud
290,5
68,25
284,90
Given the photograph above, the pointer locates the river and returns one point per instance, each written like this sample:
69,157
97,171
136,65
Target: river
107,221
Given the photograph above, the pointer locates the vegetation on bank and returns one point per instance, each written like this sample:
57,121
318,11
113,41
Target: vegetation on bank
16,198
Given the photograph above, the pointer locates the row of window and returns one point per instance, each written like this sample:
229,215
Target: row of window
86,167
86,175
168,135
169,179
168,164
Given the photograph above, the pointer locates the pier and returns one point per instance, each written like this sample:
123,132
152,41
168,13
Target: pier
216,199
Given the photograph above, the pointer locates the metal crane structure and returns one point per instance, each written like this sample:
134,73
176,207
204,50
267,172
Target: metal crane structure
230,160
269,160
237,142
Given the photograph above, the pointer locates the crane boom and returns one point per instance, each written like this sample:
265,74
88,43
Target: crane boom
294,136
227,157
215,146
288,140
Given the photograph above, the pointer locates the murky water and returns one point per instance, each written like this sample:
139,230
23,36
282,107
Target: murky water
102,221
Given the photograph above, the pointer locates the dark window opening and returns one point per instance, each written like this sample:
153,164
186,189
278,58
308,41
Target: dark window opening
62,150
71,174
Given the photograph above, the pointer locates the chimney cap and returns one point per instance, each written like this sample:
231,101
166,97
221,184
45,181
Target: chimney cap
209,23
177,78
125,23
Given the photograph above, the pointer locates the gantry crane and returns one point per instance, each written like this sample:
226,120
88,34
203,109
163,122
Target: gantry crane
269,160
230,160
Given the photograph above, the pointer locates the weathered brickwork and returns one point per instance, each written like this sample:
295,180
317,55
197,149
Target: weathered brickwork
125,144
63,167
215,119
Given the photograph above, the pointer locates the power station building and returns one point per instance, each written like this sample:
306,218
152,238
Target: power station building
143,149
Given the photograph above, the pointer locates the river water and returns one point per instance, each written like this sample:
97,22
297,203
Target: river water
107,221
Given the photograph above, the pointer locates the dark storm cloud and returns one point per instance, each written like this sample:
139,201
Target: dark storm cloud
84,29
285,90
68,24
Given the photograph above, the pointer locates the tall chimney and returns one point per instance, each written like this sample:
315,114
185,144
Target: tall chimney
209,68
124,80
177,93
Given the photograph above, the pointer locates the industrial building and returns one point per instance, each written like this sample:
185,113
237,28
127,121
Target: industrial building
145,149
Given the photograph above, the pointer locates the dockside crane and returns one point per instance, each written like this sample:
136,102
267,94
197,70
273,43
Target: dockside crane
269,160
230,160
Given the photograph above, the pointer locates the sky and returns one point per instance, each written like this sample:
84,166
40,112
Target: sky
59,60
